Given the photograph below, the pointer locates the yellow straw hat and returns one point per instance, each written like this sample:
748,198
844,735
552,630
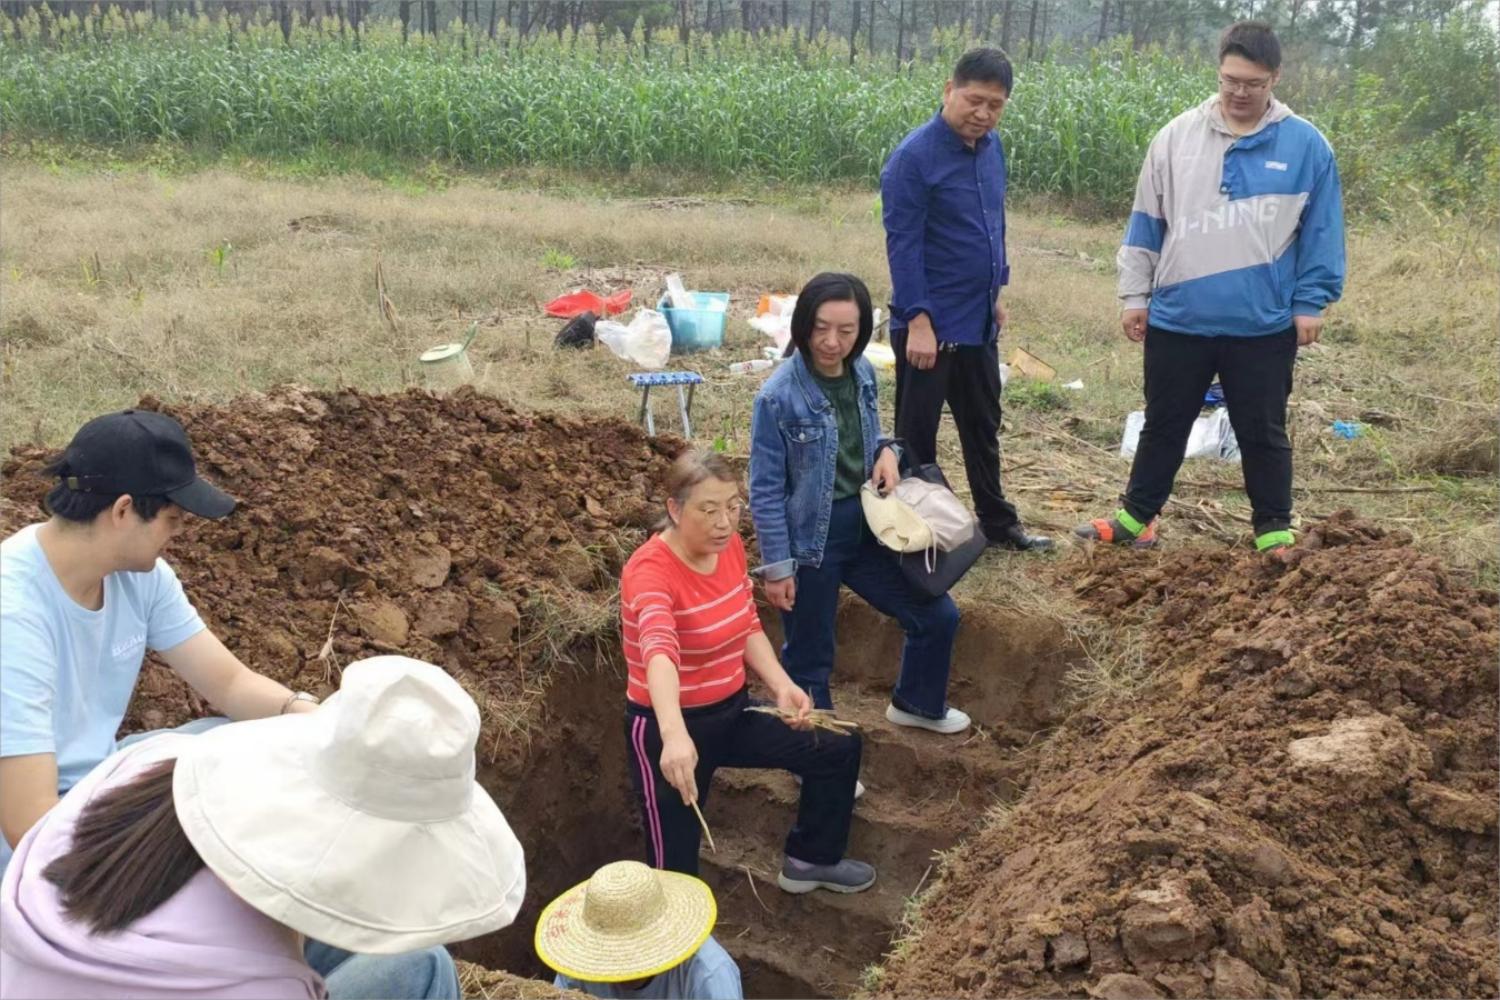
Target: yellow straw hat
627,922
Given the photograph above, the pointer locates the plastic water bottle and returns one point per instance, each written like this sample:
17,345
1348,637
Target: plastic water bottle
746,367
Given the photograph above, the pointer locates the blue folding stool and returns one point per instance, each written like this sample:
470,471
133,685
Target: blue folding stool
646,380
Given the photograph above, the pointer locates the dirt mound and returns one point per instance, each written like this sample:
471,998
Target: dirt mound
1303,803
453,529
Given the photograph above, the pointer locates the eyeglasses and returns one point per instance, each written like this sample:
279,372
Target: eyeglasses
732,512
1232,86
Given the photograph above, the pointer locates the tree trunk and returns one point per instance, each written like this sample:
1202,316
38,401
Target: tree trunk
684,20
870,29
1104,21
1005,21
1046,23
1031,31
432,25
785,15
900,32
284,15
854,12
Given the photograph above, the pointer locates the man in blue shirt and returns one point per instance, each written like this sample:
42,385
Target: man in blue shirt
943,198
86,593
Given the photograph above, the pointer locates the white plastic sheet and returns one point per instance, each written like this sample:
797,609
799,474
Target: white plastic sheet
1212,436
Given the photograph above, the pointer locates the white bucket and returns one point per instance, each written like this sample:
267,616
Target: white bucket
447,366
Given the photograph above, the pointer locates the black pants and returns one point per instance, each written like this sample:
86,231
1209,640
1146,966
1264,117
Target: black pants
1256,373
728,736
968,380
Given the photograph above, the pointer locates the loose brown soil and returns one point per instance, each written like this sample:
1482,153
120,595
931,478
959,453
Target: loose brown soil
1302,803
451,529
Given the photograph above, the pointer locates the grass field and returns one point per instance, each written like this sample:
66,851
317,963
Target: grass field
208,284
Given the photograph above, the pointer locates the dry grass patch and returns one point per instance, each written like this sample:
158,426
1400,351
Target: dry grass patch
121,282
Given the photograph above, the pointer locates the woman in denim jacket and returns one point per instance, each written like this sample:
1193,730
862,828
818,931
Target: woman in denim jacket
814,441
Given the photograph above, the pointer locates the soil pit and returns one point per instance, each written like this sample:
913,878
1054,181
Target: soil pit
490,541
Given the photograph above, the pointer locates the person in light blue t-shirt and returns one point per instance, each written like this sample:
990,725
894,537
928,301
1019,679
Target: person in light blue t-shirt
85,594
635,933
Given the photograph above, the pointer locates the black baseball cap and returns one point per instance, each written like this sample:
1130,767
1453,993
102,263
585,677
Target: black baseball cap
142,453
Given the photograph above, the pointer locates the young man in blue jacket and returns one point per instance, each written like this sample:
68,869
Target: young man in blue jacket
943,200
1234,248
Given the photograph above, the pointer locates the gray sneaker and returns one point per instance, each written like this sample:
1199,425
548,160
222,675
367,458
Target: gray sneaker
846,876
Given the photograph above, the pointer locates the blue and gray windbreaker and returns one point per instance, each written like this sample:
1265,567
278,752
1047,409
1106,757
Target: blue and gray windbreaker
1234,236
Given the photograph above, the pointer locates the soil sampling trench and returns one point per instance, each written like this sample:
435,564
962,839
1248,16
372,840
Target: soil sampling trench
569,800
1302,802
489,541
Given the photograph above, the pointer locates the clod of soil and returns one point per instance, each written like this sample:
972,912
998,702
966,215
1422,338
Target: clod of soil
1303,802
452,529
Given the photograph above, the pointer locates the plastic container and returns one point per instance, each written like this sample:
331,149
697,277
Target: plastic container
447,366
700,328
746,367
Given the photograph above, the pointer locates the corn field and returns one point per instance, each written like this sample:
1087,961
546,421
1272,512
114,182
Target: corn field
777,106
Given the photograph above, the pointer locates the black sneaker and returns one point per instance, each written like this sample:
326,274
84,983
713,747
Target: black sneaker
1016,539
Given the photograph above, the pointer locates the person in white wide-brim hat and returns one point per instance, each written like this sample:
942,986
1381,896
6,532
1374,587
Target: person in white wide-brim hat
636,933
326,854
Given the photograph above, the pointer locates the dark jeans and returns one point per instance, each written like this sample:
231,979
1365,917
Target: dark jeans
728,736
968,380
854,558
1256,373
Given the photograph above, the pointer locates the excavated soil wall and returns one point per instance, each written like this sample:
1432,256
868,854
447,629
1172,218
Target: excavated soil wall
1302,804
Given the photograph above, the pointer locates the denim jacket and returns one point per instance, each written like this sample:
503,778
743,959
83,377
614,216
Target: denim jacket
794,448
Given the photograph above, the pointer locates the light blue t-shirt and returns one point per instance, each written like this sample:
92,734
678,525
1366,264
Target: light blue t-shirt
67,673
709,975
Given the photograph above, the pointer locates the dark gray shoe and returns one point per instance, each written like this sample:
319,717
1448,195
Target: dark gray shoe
846,876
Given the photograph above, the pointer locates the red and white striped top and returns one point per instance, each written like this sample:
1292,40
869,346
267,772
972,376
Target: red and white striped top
701,622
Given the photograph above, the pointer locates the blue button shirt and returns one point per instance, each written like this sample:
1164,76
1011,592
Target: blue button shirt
944,210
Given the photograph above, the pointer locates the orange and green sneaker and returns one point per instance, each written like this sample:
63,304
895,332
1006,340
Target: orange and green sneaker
1274,541
1121,529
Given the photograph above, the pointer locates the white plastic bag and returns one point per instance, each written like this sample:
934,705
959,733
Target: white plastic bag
647,341
1212,436
776,323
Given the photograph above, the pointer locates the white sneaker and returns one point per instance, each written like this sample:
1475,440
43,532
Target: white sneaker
859,786
954,722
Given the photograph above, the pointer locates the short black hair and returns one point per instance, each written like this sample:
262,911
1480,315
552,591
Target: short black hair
1253,40
830,286
987,65
78,507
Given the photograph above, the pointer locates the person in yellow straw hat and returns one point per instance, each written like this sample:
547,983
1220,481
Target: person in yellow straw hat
326,854
637,933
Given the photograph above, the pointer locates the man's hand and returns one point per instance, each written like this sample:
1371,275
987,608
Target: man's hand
1309,329
1001,316
921,343
793,699
1133,322
887,472
679,764
782,593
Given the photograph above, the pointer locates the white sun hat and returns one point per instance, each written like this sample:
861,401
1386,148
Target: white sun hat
358,824
627,922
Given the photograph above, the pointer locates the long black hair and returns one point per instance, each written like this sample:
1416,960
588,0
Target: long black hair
830,286
129,854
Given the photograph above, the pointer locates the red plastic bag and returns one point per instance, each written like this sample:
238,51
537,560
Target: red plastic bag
582,301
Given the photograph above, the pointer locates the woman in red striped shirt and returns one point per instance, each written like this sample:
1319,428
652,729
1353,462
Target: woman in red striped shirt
688,620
